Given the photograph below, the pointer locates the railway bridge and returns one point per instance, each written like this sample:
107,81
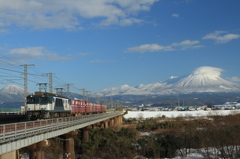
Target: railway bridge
35,134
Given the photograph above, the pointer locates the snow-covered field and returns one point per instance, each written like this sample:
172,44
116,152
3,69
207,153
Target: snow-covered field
194,153
173,114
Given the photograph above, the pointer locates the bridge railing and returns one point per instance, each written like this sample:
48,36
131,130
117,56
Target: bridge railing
10,132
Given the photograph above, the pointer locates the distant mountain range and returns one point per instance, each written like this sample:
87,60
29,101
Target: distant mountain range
201,80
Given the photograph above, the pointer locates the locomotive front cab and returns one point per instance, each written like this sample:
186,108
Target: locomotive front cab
39,102
32,102
45,103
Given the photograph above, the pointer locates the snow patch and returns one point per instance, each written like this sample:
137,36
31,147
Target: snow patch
173,114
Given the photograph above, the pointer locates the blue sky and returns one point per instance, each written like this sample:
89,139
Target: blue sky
97,44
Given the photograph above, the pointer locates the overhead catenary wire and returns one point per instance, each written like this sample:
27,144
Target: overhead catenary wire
11,69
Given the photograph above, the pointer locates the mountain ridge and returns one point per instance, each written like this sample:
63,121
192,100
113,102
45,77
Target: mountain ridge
202,79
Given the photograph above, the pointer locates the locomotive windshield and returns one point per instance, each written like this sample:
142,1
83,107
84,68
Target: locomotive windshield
37,100
45,100
30,99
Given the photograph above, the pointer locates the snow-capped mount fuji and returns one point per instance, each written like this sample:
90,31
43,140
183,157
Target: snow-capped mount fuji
11,93
12,89
202,79
205,79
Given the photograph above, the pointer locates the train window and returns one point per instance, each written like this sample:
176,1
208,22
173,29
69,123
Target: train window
36,100
44,100
30,100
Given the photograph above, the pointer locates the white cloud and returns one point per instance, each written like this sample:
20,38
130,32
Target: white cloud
213,71
187,44
175,15
219,38
34,53
31,51
234,79
70,15
148,48
3,31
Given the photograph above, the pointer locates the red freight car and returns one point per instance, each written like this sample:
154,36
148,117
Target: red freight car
78,107
88,107
84,107
97,107
103,108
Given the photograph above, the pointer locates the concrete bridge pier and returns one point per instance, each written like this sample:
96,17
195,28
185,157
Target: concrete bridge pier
36,151
111,122
69,152
102,124
119,120
85,133
11,155
95,125
106,123
116,121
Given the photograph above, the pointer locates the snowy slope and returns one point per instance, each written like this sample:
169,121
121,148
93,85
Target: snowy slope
202,79
124,89
11,93
12,89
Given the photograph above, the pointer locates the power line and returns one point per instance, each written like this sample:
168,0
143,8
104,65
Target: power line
60,79
17,64
9,68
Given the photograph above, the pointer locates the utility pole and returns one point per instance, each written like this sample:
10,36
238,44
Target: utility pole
87,95
68,90
83,94
26,82
50,81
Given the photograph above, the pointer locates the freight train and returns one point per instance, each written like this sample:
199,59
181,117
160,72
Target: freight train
44,105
